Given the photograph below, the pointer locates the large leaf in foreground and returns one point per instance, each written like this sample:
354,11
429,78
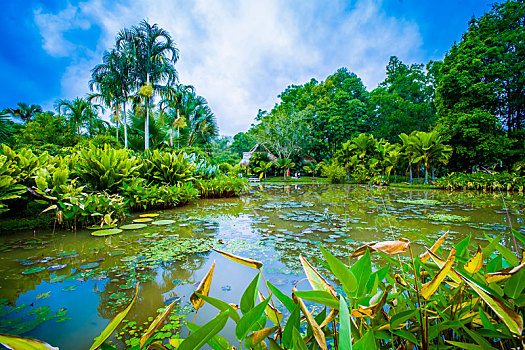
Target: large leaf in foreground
431,287
317,281
345,332
16,342
204,289
510,317
202,335
249,297
249,319
340,270
316,330
244,261
106,333
216,342
157,323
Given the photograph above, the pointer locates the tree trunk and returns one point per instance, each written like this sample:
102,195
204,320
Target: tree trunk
146,126
125,127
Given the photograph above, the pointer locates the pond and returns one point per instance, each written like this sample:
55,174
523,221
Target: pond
63,287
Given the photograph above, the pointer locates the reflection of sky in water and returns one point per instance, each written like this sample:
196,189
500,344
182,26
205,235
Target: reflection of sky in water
273,224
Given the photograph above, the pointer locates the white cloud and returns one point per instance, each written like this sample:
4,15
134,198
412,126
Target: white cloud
241,54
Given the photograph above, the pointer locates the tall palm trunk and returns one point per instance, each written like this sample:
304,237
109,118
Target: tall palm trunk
146,126
125,127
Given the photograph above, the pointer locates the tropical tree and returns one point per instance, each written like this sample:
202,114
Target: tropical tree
313,168
263,168
24,111
113,81
80,114
409,149
430,150
284,164
153,57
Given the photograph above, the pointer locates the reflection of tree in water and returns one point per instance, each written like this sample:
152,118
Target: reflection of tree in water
152,292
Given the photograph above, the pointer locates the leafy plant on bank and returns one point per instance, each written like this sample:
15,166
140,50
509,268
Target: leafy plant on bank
9,187
167,167
221,187
483,181
336,174
143,197
105,169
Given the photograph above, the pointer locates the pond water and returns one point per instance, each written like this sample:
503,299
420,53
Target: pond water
64,287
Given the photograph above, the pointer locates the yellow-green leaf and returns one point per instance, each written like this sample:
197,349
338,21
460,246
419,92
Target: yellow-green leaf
316,280
316,330
204,288
503,274
258,336
431,287
106,333
273,314
475,263
244,261
425,256
510,317
16,342
156,323
440,263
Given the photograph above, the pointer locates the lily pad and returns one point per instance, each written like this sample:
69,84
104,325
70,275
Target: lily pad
109,232
133,226
163,222
143,220
56,267
89,265
152,215
69,288
33,270
103,227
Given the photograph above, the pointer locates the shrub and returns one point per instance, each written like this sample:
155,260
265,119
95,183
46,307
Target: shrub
105,169
167,167
336,174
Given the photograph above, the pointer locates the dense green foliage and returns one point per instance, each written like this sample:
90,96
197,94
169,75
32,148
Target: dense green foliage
92,185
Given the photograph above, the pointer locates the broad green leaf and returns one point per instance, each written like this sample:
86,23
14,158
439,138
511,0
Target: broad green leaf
508,255
431,287
156,324
317,281
249,297
317,331
106,333
362,269
367,342
318,296
291,324
341,271
478,339
485,320
244,261
345,332
489,248
515,284
273,314
257,337
511,318
406,335
462,247
249,319
221,305
274,345
283,298
462,345
216,342
204,288
206,332
16,342
401,317
495,264
298,341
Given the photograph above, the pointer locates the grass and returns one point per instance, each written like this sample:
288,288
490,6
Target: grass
302,180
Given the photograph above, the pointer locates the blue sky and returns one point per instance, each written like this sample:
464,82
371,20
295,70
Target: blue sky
239,54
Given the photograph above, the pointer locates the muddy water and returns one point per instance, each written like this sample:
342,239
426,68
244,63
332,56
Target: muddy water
63,287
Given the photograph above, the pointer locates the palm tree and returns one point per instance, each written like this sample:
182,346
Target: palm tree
80,113
430,149
154,55
409,149
113,80
263,168
24,111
